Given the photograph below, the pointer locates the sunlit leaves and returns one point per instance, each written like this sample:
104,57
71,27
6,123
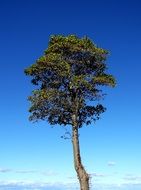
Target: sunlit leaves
104,79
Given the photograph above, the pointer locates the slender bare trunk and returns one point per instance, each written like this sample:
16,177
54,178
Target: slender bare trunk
81,172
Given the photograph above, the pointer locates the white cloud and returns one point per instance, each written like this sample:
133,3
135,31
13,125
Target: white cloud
49,173
98,175
111,163
25,171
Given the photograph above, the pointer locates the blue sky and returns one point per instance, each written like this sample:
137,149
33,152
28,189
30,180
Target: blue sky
32,155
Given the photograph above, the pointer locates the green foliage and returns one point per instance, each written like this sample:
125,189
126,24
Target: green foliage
68,76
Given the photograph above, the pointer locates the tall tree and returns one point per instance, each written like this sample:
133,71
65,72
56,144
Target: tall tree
69,76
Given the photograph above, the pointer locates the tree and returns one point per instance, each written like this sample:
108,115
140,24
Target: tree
69,76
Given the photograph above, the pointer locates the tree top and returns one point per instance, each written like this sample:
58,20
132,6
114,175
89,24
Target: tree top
68,76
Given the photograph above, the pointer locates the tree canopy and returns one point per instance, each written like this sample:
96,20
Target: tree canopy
69,77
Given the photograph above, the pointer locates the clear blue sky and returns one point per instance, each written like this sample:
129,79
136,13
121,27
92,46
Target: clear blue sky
34,155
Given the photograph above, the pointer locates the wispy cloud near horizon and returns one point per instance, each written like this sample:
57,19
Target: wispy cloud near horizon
26,171
31,185
132,178
111,163
5,170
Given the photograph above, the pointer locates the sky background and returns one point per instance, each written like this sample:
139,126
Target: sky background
32,155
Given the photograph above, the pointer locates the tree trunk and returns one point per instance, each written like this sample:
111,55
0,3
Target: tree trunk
81,172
